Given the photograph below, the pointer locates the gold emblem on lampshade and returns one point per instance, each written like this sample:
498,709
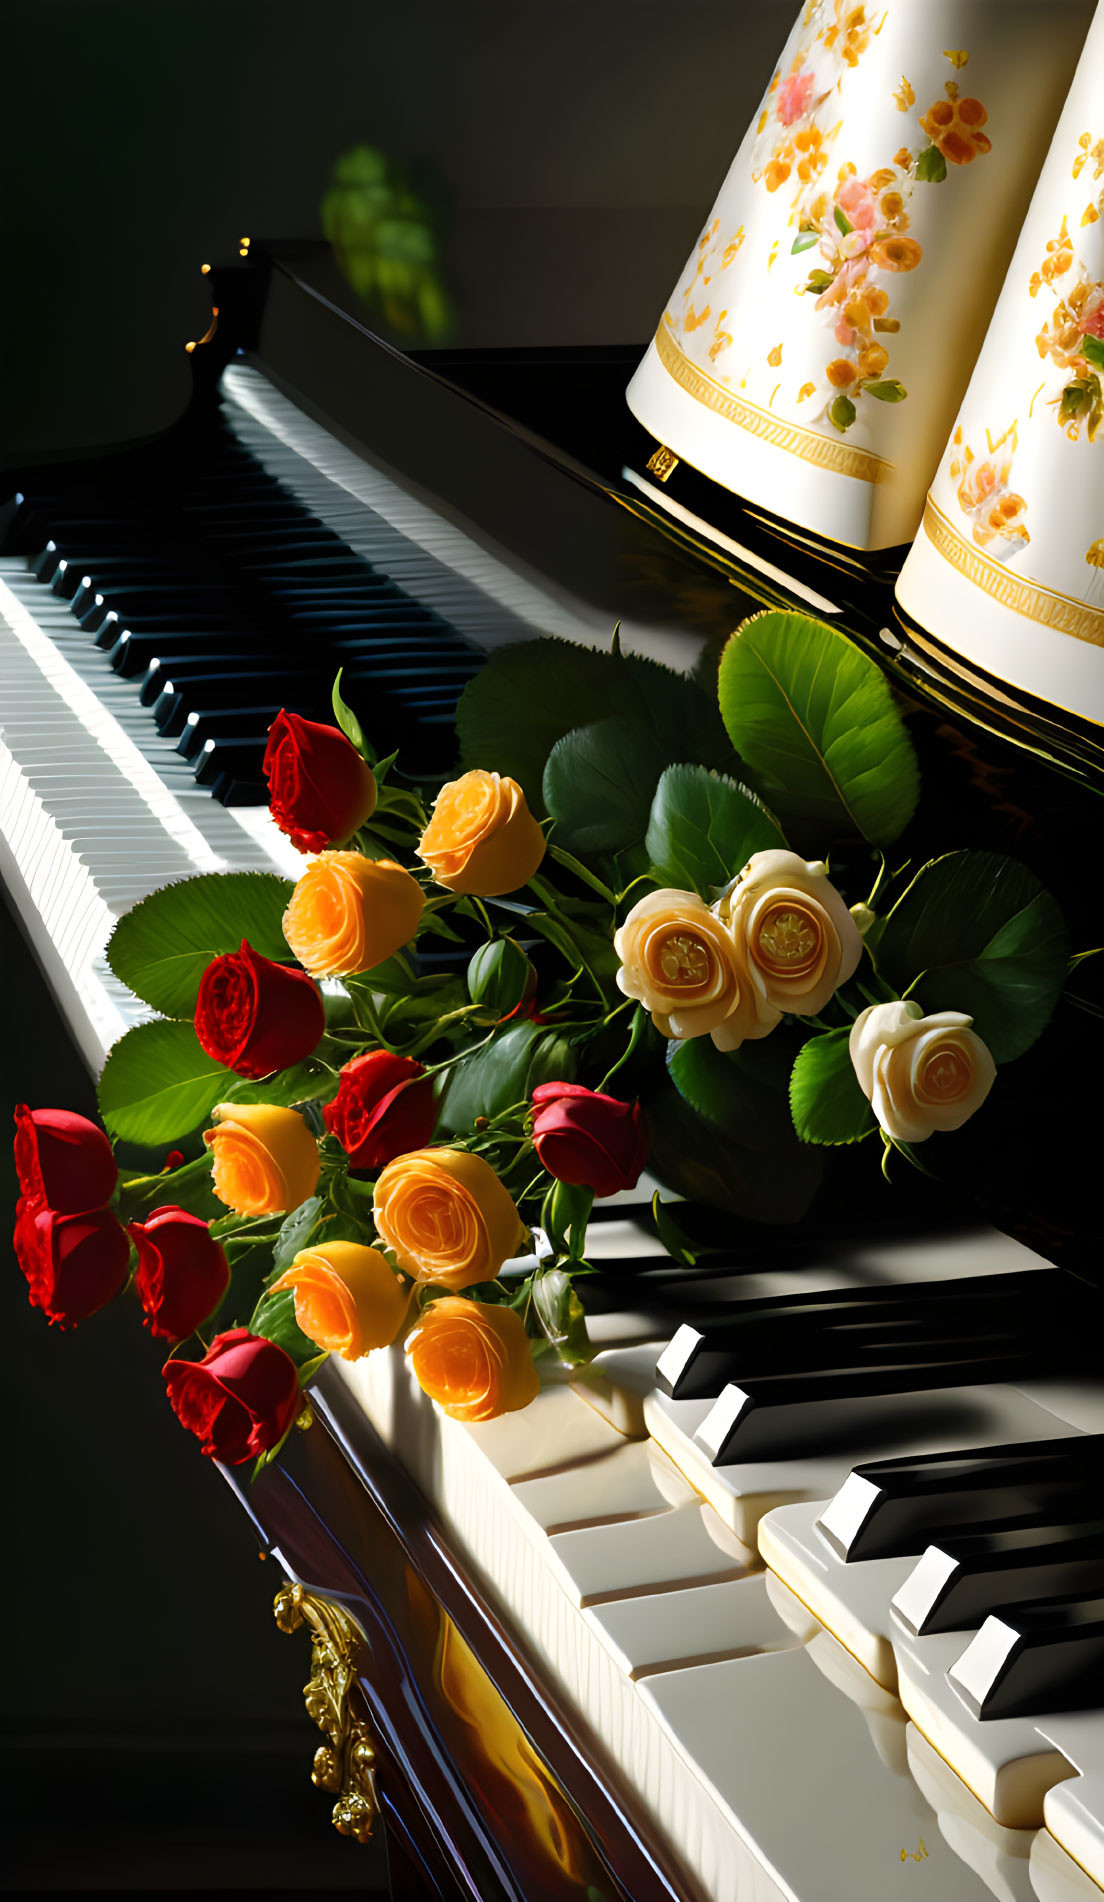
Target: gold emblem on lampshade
814,351
1009,568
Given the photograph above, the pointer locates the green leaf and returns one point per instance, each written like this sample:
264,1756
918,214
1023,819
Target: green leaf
250,1258
841,413
306,1081
188,1187
978,932
295,1232
599,781
888,392
349,724
806,236
1092,349
703,829
274,1318
931,166
814,719
526,698
825,1099
162,947
158,1084
842,220
819,281
743,1155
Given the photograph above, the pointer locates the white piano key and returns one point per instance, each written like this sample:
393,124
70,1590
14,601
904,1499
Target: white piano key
633,1481
703,1623
685,1546
1073,1810
808,1763
1055,1876
1008,1762
1000,1856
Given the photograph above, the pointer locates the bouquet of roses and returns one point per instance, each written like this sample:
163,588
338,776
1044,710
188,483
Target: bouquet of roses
606,941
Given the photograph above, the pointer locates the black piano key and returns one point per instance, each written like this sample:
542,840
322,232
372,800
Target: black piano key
214,724
819,1329
891,1508
767,1418
1039,1658
957,1583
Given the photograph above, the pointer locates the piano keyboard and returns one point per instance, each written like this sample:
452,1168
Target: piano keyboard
124,722
751,1706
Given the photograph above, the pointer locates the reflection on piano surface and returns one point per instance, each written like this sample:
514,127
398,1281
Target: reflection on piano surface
903,1424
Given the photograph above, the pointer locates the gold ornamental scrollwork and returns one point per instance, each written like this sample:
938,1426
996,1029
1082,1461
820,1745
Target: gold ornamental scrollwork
345,1765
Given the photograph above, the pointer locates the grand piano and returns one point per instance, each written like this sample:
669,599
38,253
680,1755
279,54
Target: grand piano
638,1641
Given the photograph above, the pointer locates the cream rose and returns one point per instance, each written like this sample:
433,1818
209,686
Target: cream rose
797,936
920,1073
680,962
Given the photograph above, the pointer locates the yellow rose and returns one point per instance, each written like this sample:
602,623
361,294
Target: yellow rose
349,913
447,1216
347,1299
799,941
474,1360
681,963
263,1159
920,1073
482,837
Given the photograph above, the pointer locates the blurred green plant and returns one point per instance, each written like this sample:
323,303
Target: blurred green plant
386,222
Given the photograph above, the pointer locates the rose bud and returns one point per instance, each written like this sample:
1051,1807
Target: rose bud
482,837
256,1016
320,789
182,1272
347,1299
473,1359
501,979
239,1400
919,1073
349,913
447,1217
793,932
682,964
74,1264
63,1158
263,1158
378,1112
589,1140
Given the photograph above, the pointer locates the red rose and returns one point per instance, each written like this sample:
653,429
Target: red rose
74,1264
589,1140
64,1159
239,1400
320,789
182,1273
256,1016
373,1117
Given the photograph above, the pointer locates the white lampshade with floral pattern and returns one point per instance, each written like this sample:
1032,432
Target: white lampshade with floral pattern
1008,569
815,350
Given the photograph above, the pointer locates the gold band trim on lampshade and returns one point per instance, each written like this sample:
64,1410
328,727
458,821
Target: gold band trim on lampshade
1063,612
822,451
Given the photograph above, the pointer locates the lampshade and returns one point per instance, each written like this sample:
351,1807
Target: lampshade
1008,570
816,348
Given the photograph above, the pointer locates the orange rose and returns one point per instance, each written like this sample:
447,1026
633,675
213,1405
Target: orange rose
349,913
447,1216
347,1299
474,1360
482,837
263,1159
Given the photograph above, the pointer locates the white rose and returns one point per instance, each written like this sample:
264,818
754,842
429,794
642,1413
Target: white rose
680,961
799,941
920,1073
